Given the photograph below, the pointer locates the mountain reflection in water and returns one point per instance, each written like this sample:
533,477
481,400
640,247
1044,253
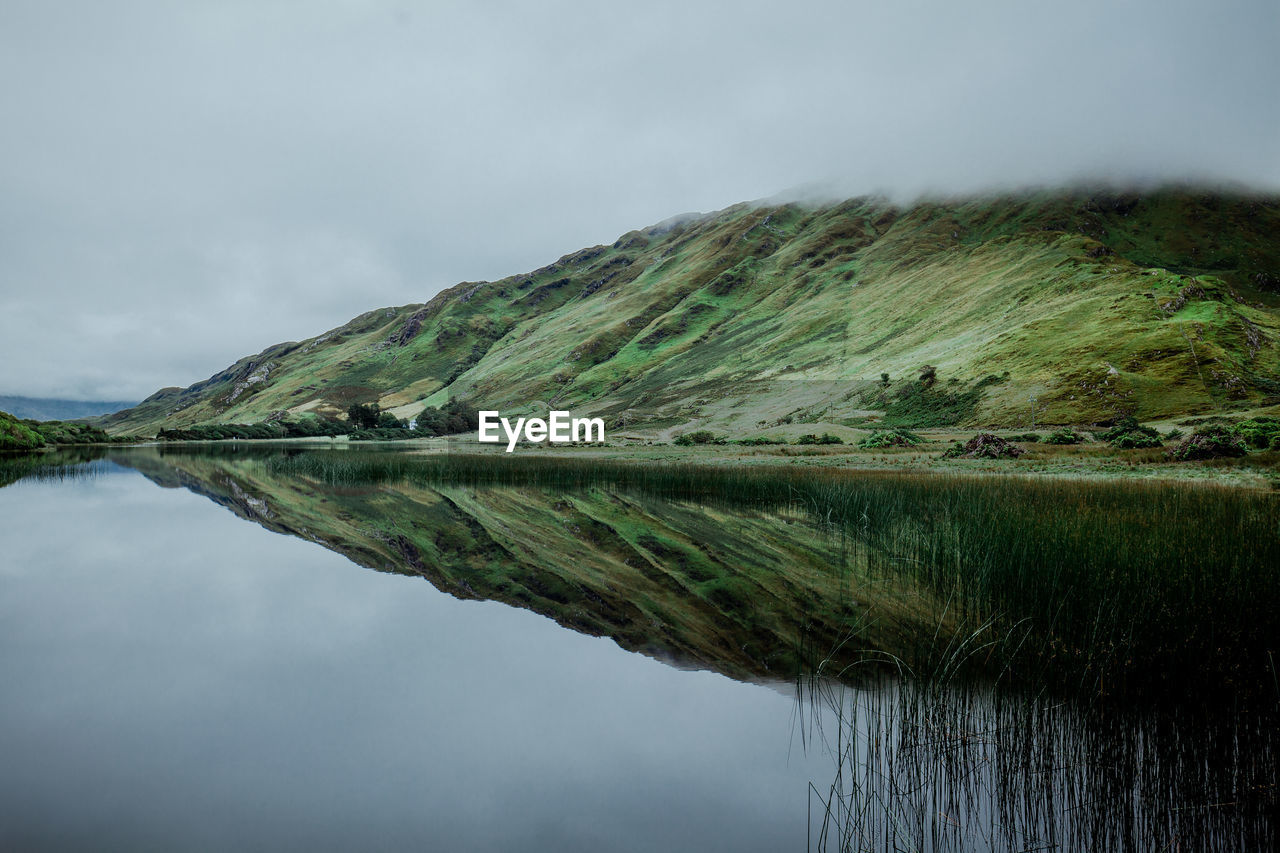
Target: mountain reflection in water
929,740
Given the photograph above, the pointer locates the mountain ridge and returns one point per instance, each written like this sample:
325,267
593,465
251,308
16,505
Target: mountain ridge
57,409
1096,303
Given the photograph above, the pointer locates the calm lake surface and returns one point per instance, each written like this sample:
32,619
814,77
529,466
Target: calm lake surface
178,675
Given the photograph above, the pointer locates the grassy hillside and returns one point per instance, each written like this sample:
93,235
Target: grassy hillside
25,434
1098,304
16,435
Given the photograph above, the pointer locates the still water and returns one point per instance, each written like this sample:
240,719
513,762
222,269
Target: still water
513,676
175,678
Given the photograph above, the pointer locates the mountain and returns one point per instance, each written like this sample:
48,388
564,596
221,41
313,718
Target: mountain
1095,303
48,409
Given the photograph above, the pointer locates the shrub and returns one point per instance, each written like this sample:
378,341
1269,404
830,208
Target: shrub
1066,435
1026,436
308,426
701,436
825,438
890,438
312,426
381,434
1209,442
67,432
984,445
1132,440
920,405
1129,434
1261,432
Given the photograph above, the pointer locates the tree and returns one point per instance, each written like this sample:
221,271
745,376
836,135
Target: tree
364,416
456,416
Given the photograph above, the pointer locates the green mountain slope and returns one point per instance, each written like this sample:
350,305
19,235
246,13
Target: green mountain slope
1097,304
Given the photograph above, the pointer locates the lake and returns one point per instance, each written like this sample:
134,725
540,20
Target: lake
475,655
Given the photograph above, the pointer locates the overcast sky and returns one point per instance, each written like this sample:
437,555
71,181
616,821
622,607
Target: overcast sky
182,184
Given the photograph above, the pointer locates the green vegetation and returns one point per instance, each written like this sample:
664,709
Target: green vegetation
759,441
17,435
1210,442
1128,434
984,445
65,432
362,416
305,427
1262,433
456,416
23,435
701,436
1099,305
364,423
825,438
1065,435
920,405
890,438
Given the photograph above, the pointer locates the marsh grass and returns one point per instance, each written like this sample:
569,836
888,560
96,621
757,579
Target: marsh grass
72,463
1106,587
942,766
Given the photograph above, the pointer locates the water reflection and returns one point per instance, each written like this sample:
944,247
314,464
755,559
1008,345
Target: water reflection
459,716
177,679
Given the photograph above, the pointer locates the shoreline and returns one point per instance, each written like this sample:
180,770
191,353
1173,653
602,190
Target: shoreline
1258,471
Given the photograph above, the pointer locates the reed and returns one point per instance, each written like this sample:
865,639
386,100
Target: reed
920,766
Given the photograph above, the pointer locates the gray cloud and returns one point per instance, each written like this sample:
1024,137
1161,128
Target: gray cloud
184,184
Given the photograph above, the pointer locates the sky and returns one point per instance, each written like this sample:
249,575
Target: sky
183,184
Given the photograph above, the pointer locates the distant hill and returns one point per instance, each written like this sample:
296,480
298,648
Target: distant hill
46,409
1097,304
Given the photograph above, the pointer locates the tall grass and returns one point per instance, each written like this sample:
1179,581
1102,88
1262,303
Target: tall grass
54,465
1104,585
958,767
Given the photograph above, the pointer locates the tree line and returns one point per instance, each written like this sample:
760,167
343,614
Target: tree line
365,422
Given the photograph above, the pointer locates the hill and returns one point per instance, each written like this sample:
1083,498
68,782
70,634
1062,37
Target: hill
1098,304
19,434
